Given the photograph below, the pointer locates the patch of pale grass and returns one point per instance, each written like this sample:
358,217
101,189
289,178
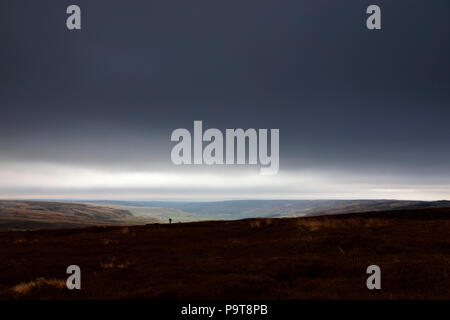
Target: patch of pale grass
109,241
318,224
25,287
255,224
112,263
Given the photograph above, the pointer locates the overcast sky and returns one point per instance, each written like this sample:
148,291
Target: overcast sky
89,113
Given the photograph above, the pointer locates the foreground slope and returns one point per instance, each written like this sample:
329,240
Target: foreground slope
291,258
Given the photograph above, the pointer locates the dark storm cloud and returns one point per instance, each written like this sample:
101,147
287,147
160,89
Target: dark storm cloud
341,95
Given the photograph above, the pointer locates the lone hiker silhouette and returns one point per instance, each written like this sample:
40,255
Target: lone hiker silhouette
170,221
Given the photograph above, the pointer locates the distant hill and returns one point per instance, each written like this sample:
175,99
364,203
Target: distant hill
18,215
239,209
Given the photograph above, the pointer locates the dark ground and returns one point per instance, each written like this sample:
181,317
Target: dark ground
298,258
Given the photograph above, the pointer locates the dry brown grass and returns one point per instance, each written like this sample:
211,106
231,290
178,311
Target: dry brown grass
330,223
255,224
25,287
260,222
109,241
112,263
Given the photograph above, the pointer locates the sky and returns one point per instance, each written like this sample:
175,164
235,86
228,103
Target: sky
88,114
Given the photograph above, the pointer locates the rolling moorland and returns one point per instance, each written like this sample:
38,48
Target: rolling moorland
28,215
32,215
320,257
